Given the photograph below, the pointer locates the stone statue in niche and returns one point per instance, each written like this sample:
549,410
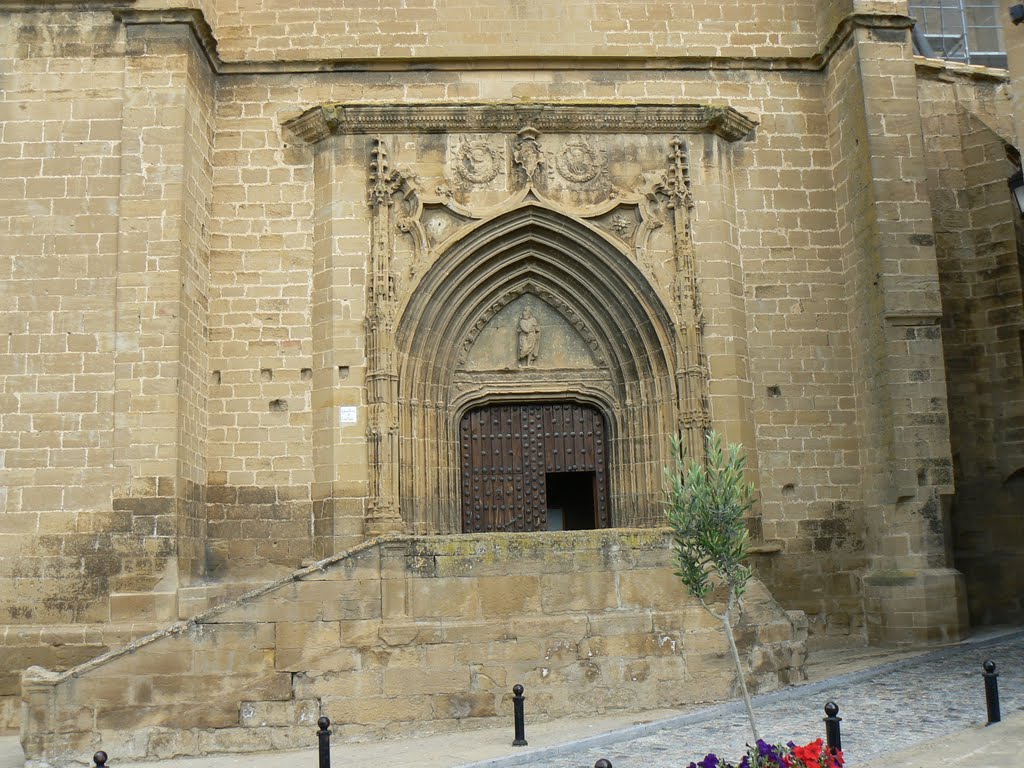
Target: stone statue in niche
529,339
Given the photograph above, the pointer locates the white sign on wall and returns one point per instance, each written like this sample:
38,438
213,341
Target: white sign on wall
348,414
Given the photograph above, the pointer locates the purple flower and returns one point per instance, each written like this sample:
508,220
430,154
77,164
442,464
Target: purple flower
767,755
710,761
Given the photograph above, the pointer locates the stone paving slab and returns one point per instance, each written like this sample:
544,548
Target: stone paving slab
885,710
998,746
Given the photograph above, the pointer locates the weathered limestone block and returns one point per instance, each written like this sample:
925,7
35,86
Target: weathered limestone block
444,596
907,603
578,591
327,685
509,595
462,706
660,591
277,713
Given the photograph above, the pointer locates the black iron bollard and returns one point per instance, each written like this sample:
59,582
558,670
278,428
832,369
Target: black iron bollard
100,758
324,738
991,691
832,720
517,708
602,763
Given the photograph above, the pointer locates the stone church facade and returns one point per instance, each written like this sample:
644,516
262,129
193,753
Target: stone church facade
281,279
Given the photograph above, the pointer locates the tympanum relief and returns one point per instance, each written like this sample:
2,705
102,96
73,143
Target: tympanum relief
529,334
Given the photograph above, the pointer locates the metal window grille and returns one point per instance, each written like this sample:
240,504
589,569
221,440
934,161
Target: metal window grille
969,31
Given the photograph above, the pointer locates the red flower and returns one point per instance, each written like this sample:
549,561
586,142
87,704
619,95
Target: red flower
835,759
809,755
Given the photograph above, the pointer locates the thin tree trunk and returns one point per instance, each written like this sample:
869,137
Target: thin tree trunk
739,669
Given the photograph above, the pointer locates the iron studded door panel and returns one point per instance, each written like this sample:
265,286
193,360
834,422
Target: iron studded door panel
506,450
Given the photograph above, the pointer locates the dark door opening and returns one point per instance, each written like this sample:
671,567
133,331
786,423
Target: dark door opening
570,501
514,456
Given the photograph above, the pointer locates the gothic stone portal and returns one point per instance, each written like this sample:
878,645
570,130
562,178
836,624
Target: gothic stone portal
513,265
533,467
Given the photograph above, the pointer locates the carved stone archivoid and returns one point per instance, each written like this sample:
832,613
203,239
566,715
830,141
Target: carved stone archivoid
459,345
522,303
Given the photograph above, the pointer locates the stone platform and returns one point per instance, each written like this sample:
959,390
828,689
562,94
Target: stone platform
406,636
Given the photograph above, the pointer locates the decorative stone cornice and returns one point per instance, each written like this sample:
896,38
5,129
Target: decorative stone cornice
331,119
204,36
952,71
54,5
846,27
195,20
206,40
190,17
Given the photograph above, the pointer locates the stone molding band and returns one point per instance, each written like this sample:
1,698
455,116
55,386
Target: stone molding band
207,41
333,119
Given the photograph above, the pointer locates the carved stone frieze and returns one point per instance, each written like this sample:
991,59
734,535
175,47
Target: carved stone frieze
322,121
430,220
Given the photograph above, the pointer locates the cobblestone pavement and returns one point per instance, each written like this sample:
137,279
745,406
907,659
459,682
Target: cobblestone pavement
884,710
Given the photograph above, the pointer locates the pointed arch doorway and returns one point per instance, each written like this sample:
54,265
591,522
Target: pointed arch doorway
606,341
533,467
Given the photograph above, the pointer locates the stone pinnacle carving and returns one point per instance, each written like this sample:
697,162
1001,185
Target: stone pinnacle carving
384,181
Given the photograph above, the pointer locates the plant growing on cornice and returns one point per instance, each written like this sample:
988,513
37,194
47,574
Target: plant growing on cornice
706,503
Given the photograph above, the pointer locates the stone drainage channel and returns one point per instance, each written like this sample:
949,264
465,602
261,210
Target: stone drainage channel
884,709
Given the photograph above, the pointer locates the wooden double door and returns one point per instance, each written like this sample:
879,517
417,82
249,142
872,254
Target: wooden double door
534,467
